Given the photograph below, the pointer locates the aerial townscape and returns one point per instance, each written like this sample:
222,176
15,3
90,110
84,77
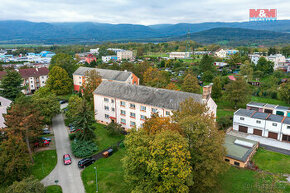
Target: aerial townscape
144,97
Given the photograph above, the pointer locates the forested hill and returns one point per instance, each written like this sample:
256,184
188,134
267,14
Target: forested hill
90,32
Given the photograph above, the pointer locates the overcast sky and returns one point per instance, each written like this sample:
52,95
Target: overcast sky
137,11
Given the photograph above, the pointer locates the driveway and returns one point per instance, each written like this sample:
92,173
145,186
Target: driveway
69,176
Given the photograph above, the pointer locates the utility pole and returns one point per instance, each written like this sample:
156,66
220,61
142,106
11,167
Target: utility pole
97,189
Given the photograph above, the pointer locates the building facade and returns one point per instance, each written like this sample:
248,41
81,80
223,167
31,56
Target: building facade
106,59
221,53
4,104
277,59
179,55
111,75
125,55
262,124
130,105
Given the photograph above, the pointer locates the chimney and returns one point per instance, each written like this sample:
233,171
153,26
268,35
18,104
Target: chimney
206,91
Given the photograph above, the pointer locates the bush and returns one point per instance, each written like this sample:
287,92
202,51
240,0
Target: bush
72,136
225,122
114,129
30,185
82,149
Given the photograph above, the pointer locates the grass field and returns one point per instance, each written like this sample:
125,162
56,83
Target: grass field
44,163
268,100
110,175
104,140
272,162
53,189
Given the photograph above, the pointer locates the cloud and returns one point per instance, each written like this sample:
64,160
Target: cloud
137,11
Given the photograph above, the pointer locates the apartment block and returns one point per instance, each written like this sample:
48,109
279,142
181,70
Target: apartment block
130,104
111,75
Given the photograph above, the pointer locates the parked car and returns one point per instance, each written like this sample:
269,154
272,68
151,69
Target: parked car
62,101
46,131
66,159
45,138
85,162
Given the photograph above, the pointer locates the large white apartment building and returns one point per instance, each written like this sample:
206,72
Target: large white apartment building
130,105
277,59
111,75
262,124
124,55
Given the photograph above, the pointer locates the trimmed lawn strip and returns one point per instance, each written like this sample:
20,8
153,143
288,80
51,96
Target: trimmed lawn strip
272,161
53,189
110,175
103,139
44,163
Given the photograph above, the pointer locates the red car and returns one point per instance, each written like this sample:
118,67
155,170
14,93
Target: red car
66,159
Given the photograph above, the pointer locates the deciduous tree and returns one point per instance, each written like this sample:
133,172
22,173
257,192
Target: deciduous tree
284,92
11,84
216,88
190,84
247,70
58,81
157,163
64,61
172,86
237,92
265,66
29,184
92,81
206,64
75,105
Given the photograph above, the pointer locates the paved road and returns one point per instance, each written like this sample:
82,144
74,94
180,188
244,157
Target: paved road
69,176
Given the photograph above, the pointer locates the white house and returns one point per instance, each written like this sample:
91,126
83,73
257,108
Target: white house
221,53
111,75
179,55
255,58
4,104
94,51
130,105
277,59
262,124
106,59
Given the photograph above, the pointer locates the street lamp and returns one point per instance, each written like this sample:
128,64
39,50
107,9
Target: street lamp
97,190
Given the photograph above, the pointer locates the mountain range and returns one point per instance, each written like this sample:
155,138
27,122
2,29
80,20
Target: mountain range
90,32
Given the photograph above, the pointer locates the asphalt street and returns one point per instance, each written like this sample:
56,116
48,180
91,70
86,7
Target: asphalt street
68,176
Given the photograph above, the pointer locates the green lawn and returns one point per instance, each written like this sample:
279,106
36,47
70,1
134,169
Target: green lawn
53,189
104,140
44,163
272,161
224,112
268,100
110,175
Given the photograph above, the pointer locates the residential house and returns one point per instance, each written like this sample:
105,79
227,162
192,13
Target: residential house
111,75
130,105
106,59
262,124
239,151
277,59
4,104
125,55
33,78
90,57
221,53
94,51
269,108
255,58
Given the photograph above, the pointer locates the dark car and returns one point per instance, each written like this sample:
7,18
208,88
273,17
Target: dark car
85,162
46,131
66,159
62,101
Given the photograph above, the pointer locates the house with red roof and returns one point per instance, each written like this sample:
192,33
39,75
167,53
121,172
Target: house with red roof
33,78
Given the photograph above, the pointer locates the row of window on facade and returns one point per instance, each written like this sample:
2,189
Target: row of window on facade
132,106
259,122
123,121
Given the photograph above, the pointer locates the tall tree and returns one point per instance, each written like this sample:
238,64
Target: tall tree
11,84
29,184
237,92
265,66
155,78
190,84
64,61
25,119
172,86
75,105
216,88
157,163
14,159
272,51
47,104
206,64
92,81
284,92
205,144
247,70
58,81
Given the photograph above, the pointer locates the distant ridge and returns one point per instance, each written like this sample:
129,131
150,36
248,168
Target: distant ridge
90,32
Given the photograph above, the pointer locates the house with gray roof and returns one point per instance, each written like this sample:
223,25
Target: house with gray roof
239,150
269,108
263,124
130,104
79,76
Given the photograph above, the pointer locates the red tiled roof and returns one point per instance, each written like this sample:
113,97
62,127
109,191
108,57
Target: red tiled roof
232,77
33,72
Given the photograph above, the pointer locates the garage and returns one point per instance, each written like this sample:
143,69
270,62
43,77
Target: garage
243,129
258,132
273,135
286,138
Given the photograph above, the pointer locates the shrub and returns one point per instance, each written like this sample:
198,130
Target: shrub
225,122
72,136
114,129
30,185
82,149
